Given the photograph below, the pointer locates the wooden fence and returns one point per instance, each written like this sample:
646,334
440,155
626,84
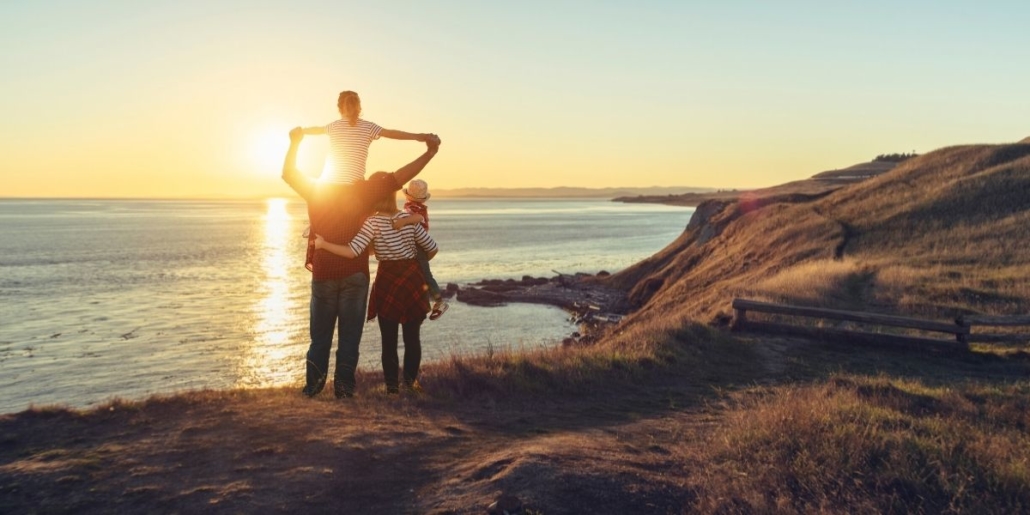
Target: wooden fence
995,321
960,331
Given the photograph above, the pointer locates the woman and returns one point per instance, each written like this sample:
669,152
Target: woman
398,295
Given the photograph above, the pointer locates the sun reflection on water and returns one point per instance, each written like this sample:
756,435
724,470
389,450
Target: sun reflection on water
269,360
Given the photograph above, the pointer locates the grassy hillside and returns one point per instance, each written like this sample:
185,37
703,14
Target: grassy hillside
938,236
842,429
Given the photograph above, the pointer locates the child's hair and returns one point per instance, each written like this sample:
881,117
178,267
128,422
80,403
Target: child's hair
350,106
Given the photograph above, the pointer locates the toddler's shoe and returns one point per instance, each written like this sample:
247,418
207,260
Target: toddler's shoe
439,308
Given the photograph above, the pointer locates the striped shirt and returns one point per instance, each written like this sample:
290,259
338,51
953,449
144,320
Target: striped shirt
391,244
348,150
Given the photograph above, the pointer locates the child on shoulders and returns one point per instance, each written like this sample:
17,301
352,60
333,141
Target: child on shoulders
349,139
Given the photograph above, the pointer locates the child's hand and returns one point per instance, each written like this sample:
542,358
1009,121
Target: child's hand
296,134
319,241
433,143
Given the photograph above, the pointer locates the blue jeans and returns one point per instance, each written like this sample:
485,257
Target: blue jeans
342,303
423,263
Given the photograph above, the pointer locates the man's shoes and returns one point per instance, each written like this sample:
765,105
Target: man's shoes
439,308
312,390
392,390
343,394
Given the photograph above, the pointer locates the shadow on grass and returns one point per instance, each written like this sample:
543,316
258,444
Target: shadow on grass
809,361
591,387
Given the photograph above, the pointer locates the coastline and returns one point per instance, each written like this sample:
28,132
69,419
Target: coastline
593,305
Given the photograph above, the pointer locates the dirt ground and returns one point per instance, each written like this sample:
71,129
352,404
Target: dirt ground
263,451
625,447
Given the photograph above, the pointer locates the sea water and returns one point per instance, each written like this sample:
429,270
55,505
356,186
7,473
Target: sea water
125,298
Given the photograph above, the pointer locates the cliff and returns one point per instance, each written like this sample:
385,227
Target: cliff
936,236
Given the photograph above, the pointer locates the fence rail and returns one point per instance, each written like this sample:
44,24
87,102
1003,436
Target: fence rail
960,331
962,328
972,321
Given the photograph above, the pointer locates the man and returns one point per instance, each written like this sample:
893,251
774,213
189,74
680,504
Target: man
339,286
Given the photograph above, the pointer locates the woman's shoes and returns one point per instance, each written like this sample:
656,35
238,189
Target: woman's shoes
413,387
439,308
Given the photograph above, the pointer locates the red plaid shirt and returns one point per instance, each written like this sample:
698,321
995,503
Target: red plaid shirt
418,208
336,212
399,293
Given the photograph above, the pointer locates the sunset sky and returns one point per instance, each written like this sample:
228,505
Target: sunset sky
104,98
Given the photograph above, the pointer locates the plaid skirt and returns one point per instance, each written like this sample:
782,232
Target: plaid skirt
399,292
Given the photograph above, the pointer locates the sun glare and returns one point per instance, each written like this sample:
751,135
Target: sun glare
276,214
267,361
267,148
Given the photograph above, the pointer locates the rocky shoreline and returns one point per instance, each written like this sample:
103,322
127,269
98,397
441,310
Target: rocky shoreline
592,305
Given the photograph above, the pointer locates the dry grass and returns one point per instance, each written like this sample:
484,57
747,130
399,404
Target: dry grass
936,237
828,283
870,445
623,360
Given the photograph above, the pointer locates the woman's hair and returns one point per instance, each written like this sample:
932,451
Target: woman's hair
387,204
350,106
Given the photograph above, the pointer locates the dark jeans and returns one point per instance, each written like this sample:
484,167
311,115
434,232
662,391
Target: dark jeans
412,351
336,303
423,263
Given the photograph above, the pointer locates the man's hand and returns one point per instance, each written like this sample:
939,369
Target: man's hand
433,143
296,135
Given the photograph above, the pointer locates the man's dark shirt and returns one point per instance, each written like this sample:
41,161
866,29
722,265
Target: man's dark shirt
337,212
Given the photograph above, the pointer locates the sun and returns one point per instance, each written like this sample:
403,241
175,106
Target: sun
267,147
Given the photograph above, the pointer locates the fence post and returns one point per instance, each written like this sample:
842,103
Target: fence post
740,318
963,338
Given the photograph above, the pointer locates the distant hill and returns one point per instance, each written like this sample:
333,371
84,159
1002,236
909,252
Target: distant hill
859,171
936,237
819,184
562,192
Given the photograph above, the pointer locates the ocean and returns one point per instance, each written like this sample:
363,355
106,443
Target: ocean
103,299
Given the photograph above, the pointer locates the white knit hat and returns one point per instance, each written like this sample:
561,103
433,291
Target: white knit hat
417,191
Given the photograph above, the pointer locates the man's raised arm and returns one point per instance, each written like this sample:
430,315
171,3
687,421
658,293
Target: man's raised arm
410,170
300,183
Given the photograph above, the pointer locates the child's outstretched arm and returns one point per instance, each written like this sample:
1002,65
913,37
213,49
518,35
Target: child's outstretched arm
314,131
401,135
410,219
339,250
